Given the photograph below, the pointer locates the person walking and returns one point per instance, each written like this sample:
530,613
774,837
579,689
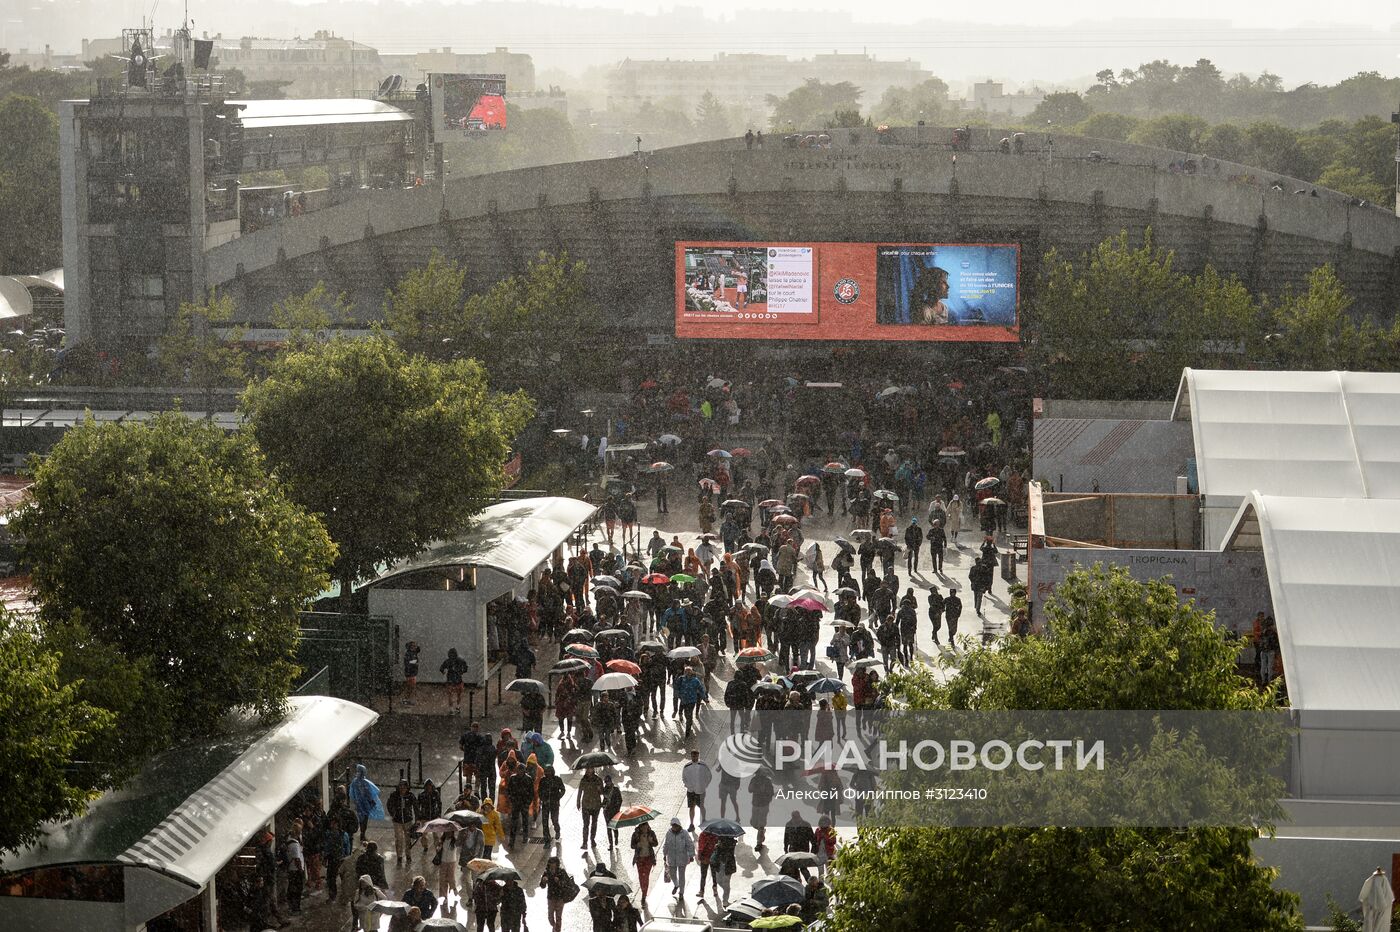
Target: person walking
952,611
447,856
486,901
643,855
704,849
913,541
559,889
364,796
513,906
403,812
419,895
362,913
839,651
696,776
453,669
723,867
935,611
589,800
551,793
954,519
937,544
761,793
429,808
678,850
818,568
612,805
689,692
492,832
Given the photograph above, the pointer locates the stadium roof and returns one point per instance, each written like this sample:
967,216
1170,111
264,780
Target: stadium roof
1334,574
188,811
510,537
269,114
1323,434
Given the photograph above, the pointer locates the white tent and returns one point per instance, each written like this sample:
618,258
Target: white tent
1320,434
1334,574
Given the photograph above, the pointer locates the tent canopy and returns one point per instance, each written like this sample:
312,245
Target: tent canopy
1334,574
191,809
510,537
1328,434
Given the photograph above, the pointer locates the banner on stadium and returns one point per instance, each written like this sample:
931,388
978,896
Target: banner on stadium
848,291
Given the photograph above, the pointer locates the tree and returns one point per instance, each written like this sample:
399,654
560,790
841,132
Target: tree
1315,330
29,196
1113,643
712,118
167,543
42,723
1062,108
812,105
1354,181
191,353
1178,131
304,316
1117,126
425,309
906,106
392,451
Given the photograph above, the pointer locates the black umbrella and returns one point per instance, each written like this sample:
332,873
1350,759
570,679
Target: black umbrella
615,633
611,886
571,665
804,677
501,873
596,759
525,686
577,636
777,892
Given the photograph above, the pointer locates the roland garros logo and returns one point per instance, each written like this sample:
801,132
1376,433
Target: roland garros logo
847,290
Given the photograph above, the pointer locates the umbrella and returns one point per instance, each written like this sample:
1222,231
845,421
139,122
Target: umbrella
596,759
525,686
633,815
441,922
988,482
608,885
755,548
800,858
609,682
609,581
733,503
745,910
778,922
578,636
846,590
715,382
723,828
651,645
803,677
777,892
887,495
668,440
769,503
842,623
802,496
864,663
750,655
656,579
808,604
855,473
709,485
501,872
606,587
582,650
635,595
862,533
390,907
808,480
708,538
992,501
669,548
572,665
780,510
683,653
615,633
780,601
810,594
660,466
741,451
481,864
768,687
785,519
624,666
834,467
887,392
846,546
439,827
952,451
827,685
465,817
682,578
721,454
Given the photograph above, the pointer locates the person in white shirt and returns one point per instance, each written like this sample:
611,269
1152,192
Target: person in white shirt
696,776
296,867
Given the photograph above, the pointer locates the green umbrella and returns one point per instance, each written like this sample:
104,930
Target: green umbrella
682,578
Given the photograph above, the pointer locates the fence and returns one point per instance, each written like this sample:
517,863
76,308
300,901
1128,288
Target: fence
356,651
317,684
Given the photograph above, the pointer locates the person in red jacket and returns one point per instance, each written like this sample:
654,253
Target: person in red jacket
704,848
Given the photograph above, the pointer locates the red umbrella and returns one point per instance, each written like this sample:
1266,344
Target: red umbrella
809,604
656,579
660,466
809,480
769,503
785,519
624,666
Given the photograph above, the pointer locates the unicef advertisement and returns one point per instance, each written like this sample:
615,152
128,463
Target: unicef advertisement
848,291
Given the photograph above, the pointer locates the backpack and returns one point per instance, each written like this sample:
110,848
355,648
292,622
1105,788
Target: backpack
568,888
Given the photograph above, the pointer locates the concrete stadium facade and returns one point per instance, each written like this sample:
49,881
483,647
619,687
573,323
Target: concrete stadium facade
623,216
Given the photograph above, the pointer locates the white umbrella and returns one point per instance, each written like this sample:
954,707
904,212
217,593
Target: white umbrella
611,681
683,653
1377,900
887,495
670,440
855,473
780,601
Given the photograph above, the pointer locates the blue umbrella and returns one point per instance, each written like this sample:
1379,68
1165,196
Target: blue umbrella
827,685
724,828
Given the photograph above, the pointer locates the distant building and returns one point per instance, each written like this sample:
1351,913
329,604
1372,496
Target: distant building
989,97
518,67
39,59
746,80
325,65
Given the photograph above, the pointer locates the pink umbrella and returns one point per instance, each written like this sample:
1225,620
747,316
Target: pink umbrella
809,604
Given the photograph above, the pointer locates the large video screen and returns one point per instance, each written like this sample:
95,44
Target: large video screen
467,103
848,291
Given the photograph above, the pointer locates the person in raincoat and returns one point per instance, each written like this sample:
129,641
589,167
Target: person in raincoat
492,832
954,519
364,796
707,515
678,850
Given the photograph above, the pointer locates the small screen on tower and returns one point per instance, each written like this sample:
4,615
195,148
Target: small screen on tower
467,103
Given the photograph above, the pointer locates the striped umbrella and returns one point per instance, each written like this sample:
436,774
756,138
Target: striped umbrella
633,815
751,655
582,650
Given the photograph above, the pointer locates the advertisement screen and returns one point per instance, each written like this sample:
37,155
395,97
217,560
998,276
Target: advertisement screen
848,291
467,103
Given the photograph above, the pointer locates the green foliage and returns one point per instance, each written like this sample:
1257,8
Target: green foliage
1179,131
190,352
425,309
393,451
1337,918
1061,108
305,315
906,106
1351,180
1114,643
168,543
1116,126
538,136
29,199
713,120
812,105
43,721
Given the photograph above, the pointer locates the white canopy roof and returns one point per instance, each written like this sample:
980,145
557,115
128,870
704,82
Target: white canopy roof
1323,434
1334,573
